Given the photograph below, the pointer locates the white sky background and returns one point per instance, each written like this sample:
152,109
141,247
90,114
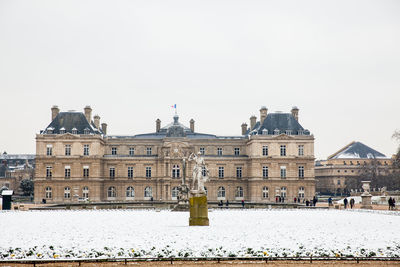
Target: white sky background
219,61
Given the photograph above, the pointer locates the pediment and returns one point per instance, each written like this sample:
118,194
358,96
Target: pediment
283,137
68,136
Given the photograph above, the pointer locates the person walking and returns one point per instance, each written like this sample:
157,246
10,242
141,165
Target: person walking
227,203
243,203
352,203
390,202
345,203
295,200
330,201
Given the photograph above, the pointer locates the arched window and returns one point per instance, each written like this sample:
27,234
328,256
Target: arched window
67,192
85,192
130,192
301,192
148,192
174,193
265,192
221,192
283,191
111,192
175,171
239,192
48,192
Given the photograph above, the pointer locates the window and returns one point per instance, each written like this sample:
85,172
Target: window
67,150
74,131
238,172
148,172
265,150
264,132
130,172
301,171
112,172
49,171
300,132
131,151
62,130
85,192
48,192
301,150
174,193
301,192
148,192
203,171
221,172
283,150
283,191
111,192
86,150
67,172
175,171
67,192
113,151
221,192
338,182
288,132
237,151
283,172
49,150
148,151
130,192
219,151
202,151
86,131
85,171
276,131
265,172
239,192
265,192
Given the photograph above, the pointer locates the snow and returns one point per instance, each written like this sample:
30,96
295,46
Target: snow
128,233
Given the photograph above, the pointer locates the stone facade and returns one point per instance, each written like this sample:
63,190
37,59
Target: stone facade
79,162
333,173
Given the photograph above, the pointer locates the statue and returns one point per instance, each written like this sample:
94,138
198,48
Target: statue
197,172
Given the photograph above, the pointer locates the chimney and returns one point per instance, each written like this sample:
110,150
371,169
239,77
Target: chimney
244,128
54,112
295,113
158,125
104,128
96,119
263,114
253,120
192,125
88,113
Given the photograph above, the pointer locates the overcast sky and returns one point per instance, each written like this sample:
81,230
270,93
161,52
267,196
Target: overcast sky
219,61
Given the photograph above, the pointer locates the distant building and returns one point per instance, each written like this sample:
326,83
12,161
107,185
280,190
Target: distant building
76,159
14,168
332,174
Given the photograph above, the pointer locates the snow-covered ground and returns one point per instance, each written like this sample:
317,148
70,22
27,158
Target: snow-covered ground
268,233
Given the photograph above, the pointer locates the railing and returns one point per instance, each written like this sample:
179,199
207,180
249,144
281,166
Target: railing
201,259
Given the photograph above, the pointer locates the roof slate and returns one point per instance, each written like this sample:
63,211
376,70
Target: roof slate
357,150
279,121
69,120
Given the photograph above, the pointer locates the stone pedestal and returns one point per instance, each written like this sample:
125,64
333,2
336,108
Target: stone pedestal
366,202
198,210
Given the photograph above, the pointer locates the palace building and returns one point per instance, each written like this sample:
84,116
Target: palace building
76,160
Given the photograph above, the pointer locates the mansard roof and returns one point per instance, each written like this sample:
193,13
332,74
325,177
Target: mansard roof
278,121
69,120
357,150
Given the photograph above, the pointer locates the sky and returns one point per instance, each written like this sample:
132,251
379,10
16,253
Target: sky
218,60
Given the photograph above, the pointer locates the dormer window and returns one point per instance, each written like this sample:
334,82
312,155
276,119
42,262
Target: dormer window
301,132
86,131
62,130
288,132
276,131
50,130
74,131
265,131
